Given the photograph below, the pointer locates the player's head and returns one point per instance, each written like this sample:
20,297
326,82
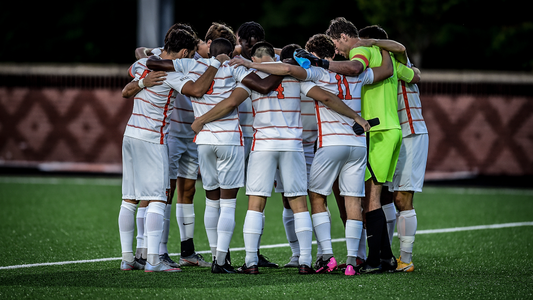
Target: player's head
182,26
219,30
288,51
341,31
263,52
248,35
221,46
181,43
321,45
373,32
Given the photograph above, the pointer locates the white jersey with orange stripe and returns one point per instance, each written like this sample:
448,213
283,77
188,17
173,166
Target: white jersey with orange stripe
153,106
224,131
334,128
277,117
410,109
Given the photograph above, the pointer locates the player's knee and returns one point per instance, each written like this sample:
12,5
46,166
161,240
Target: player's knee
403,200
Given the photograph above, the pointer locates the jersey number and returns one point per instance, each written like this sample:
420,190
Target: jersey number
342,80
280,91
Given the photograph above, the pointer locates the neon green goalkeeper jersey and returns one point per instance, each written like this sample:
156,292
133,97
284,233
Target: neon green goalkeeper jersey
379,100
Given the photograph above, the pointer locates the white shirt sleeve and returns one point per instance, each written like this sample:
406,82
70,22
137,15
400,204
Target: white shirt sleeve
367,77
184,65
240,72
306,86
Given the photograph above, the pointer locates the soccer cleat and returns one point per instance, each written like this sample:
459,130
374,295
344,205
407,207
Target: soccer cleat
248,270
326,266
350,271
359,261
318,259
293,263
389,265
367,269
225,269
264,262
404,267
194,260
305,269
131,265
160,267
168,260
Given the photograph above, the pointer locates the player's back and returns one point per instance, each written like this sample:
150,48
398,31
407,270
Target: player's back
277,117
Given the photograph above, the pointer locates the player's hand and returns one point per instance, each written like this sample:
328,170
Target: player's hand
361,126
222,58
315,61
240,62
155,78
197,126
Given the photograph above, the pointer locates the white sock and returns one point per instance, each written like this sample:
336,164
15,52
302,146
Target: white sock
353,232
390,216
407,224
211,216
141,211
126,227
166,226
185,216
251,233
288,223
155,214
262,229
304,231
322,226
361,250
225,228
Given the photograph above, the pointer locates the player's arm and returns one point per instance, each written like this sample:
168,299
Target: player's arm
407,74
345,67
386,69
393,46
220,110
336,104
282,69
418,75
142,52
199,87
135,86
157,64
262,85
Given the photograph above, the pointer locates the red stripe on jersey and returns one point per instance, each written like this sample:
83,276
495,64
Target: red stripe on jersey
319,123
165,111
255,131
360,56
407,109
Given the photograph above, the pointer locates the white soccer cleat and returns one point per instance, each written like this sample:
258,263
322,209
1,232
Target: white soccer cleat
160,267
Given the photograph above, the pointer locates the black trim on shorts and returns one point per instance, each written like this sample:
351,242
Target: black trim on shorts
367,156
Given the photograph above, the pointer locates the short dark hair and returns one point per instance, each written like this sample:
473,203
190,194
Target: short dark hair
183,26
288,51
220,30
373,32
249,30
322,45
221,46
262,48
341,25
180,39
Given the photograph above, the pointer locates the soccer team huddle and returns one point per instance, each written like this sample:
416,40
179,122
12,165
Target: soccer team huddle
244,113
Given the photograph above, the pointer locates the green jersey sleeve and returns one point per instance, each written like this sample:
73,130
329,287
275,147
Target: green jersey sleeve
404,72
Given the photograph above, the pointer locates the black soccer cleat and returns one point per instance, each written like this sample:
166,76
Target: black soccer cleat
225,269
264,262
389,265
248,270
305,269
365,268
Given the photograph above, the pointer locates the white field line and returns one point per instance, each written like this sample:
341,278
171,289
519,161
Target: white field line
428,231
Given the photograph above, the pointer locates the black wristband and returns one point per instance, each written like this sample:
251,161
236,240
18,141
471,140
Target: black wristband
325,64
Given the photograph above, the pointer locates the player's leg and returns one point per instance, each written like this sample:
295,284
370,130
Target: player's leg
288,223
252,231
140,253
387,204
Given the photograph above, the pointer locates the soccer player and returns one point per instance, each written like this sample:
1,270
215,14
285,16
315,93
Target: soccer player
218,148
410,170
277,144
145,153
384,140
341,153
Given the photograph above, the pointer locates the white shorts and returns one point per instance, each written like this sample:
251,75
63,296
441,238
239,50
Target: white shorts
309,153
411,167
222,166
144,170
348,163
183,158
262,167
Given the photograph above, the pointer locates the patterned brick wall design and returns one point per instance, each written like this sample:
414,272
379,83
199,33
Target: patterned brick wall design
488,135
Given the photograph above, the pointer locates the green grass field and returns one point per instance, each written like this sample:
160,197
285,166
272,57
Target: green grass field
65,220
